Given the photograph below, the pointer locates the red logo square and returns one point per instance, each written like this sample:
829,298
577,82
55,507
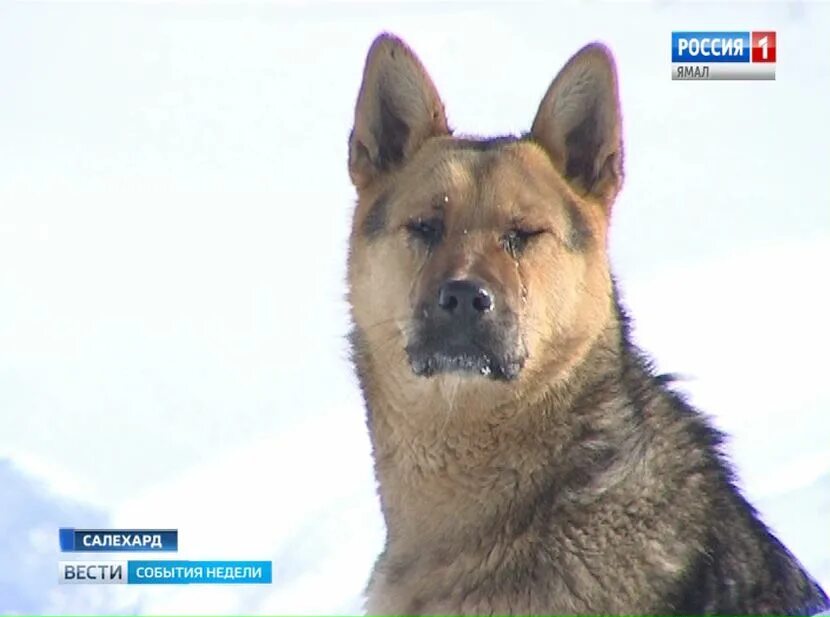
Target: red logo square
763,47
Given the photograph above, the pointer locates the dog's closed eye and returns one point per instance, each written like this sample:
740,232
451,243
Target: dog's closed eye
517,239
427,231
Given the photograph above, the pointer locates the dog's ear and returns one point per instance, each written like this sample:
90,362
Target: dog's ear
397,109
579,124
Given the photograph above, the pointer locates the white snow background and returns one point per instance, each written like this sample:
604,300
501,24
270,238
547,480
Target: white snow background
174,209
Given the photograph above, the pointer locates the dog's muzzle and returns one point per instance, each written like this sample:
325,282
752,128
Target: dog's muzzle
464,331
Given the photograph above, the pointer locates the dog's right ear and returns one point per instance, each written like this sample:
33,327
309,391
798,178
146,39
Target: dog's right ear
397,110
579,124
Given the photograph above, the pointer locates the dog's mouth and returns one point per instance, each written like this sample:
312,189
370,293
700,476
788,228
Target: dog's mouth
469,345
427,363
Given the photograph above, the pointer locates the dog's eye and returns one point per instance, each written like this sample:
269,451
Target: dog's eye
428,231
516,240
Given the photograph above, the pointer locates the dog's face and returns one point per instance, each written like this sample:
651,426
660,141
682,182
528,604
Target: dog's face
481,259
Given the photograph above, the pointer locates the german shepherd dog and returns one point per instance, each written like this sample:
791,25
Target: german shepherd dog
529,459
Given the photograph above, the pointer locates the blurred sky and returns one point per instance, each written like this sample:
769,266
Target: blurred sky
174,210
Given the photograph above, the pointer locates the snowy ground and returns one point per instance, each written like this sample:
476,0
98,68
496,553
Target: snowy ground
171,347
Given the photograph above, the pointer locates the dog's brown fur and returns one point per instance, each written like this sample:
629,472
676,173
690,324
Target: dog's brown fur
577,483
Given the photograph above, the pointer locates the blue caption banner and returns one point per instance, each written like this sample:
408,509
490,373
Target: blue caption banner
117,540
710,47
181,572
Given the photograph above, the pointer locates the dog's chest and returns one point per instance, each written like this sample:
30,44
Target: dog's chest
490,580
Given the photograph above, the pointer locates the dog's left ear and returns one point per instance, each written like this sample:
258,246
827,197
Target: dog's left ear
579,124
398,109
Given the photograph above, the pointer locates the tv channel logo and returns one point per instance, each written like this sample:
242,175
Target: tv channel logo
739,55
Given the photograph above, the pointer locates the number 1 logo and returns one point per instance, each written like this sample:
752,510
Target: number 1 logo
763,47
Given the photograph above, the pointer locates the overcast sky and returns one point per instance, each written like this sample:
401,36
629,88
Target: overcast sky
174,209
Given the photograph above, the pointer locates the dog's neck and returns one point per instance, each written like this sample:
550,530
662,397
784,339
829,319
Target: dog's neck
452,465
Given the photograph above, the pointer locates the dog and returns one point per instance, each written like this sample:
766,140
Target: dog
529,459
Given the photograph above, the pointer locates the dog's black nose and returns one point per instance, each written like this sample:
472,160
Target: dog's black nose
464,298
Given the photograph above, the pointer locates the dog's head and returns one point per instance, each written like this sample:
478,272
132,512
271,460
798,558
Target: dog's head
481,258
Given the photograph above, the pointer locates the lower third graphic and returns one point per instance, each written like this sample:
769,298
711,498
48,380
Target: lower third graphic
158,572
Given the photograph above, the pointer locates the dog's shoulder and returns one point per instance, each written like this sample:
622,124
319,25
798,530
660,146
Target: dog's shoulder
739,567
